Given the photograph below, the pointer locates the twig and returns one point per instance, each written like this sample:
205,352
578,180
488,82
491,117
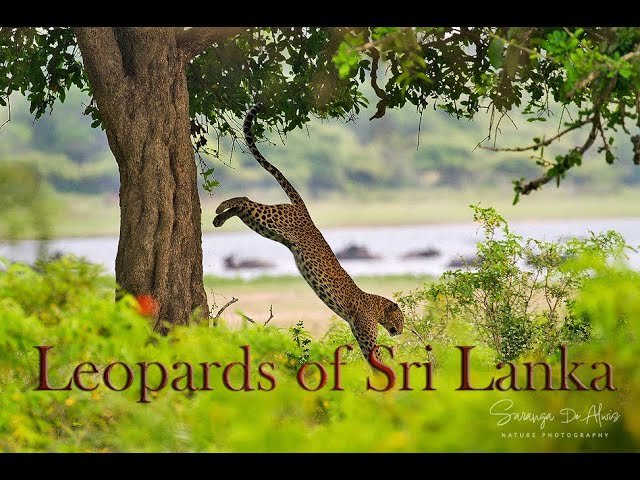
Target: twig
637,106
605,145
246,317
419,129
270,316
564,109
596,73
505,114
491,120
546,178
196,39
213,321
570,33
497,130
479,144
623,114
518,46
584,82
592,134
375,43
415,332
635,141
9,112
381,106
545,143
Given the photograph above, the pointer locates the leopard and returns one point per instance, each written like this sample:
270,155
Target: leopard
291,225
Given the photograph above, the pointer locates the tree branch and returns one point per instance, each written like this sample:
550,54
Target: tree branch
596,126
583,83
270,316
375,43
8,102
596,73
246,317
546,177
381,107
518,46
102,60
141,46
213,322
637,92
605,144
635,141
545,143
195,40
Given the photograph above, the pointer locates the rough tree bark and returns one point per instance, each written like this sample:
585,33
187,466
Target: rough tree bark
138,78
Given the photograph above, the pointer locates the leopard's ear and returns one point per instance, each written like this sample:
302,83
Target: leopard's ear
391,308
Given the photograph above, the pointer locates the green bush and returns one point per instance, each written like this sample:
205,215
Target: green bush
519,295
69,305
26,205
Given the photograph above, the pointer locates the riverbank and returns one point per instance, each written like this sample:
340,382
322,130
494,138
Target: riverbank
291,298
98,215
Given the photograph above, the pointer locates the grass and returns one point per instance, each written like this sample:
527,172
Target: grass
292,299
98,215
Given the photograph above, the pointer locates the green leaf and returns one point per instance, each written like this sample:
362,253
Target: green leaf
380,32
625,72
609,157
343,70
495,52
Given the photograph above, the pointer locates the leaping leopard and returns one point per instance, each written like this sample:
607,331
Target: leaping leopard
290,224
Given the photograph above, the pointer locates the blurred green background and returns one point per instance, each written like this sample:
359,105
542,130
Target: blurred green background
399,169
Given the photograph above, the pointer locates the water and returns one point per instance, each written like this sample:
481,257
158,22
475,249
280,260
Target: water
390,243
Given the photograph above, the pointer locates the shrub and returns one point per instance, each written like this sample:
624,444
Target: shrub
69,305
519,296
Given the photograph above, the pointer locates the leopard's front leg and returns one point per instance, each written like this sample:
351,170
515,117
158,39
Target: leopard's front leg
229,208
270,221
366,334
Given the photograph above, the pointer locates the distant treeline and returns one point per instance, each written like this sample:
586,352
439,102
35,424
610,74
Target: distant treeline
399,151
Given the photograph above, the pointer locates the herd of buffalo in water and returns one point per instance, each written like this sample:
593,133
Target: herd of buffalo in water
352,252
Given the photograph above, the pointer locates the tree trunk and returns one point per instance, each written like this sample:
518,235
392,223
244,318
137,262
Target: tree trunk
138,78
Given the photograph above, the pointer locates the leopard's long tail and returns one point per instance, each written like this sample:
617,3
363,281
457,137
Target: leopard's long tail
291,192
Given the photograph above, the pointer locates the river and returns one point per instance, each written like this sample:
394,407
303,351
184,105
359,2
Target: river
389,243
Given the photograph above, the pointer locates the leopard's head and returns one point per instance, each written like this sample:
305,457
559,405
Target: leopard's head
393,319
